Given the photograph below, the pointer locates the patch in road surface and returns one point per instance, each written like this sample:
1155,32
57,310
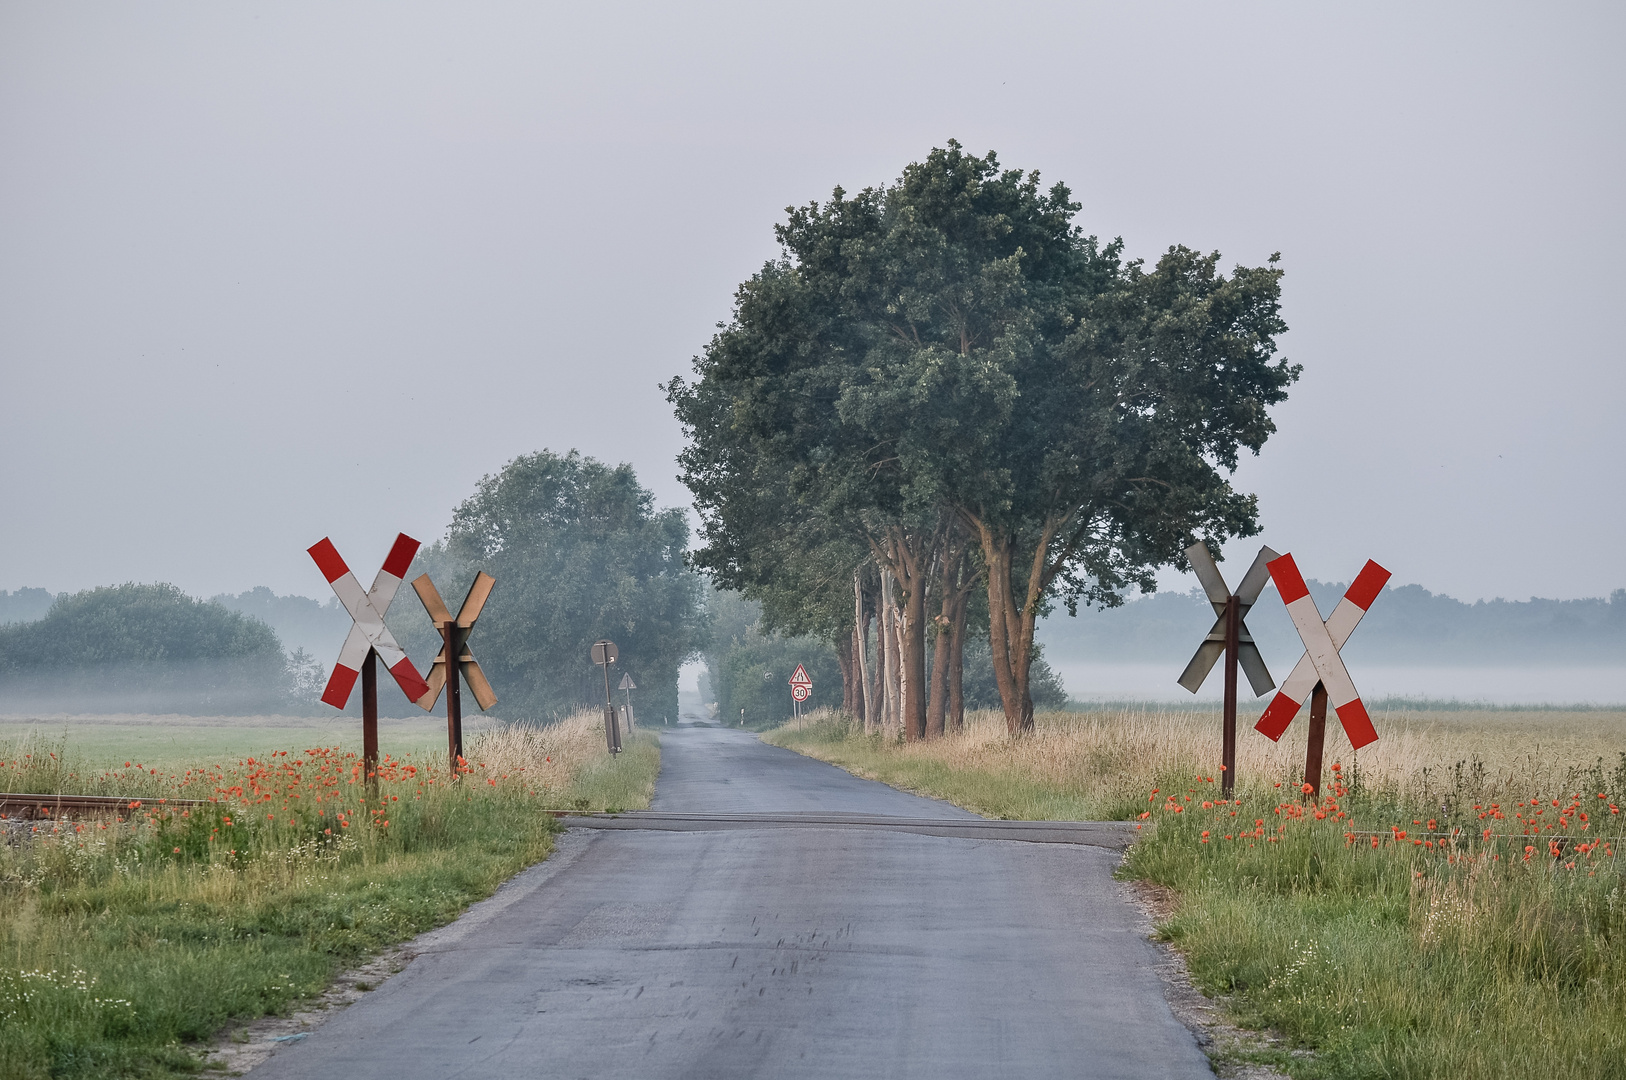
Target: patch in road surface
783,952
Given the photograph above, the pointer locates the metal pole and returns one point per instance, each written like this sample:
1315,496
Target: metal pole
1318,739
612,730
369,722
454,697
1233,635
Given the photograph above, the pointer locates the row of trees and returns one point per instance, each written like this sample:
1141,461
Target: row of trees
945,408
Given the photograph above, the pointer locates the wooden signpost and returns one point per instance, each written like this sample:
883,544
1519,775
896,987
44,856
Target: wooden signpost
1230,638
454,633
1320,674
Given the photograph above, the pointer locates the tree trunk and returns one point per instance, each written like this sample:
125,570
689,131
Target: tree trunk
912,647
1010,623
889,657
956,668
844,657
937,702
861,701
908,555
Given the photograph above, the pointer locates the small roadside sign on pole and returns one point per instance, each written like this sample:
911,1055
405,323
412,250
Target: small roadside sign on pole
626,687
801,688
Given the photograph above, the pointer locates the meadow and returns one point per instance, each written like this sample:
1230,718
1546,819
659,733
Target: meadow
129,942
1450,905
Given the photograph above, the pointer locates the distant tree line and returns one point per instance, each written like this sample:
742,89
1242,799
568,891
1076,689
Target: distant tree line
149,648
1408,624
945,408
579,551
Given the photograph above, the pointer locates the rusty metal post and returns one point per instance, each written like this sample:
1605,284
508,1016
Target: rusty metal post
454,696
1318,740
369,722
1233,643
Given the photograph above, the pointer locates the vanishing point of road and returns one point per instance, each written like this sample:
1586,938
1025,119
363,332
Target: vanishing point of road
827,951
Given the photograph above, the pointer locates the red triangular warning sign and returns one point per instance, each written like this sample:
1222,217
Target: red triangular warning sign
799,677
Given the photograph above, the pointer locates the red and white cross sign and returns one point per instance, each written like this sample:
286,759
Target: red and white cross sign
367,609
1321,662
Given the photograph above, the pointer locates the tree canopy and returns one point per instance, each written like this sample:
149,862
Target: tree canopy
580,553
953,347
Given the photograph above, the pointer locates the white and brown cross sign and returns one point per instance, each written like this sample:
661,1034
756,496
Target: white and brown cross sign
458,637
1219,595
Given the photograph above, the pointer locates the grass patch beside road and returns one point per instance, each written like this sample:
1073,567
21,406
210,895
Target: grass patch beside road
124,942
1475,957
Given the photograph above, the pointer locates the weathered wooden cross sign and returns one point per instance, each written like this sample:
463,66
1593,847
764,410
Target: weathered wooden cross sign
1320,673
454,633
1230,638
368,637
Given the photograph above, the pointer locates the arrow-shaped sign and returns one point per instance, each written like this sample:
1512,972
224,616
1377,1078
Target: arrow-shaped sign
473,604
367,610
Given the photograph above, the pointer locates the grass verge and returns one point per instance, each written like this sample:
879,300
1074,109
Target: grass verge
128,941
1454,907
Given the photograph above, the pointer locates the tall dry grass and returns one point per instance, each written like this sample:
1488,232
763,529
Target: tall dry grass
1102,763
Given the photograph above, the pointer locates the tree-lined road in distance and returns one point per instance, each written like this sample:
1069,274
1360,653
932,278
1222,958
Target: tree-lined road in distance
786,952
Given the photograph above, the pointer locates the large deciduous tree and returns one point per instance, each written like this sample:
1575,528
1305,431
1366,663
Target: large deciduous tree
580,553
954,344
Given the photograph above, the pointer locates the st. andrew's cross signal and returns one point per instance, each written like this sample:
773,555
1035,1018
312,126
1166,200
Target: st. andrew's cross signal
368,638
454,634
1320,672
1229,637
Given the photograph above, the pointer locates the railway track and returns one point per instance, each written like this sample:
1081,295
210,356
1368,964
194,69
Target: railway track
24,807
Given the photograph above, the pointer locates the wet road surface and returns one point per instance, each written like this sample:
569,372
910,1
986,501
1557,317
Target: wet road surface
818,951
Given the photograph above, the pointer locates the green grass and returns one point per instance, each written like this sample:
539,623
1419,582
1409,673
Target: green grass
1402,961
124,944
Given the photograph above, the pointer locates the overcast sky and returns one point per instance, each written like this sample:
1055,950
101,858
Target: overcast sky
275,272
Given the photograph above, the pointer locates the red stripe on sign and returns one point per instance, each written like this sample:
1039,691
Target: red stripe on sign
1357,724
407,677
339,685
1368,583
400,556
328,561
1273,724
1289,582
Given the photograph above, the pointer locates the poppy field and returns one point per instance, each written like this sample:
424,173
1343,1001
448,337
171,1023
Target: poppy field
131,939
1449,906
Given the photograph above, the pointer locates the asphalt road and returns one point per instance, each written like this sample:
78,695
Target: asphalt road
787,952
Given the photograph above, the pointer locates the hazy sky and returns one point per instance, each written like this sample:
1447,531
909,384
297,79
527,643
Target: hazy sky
274,272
